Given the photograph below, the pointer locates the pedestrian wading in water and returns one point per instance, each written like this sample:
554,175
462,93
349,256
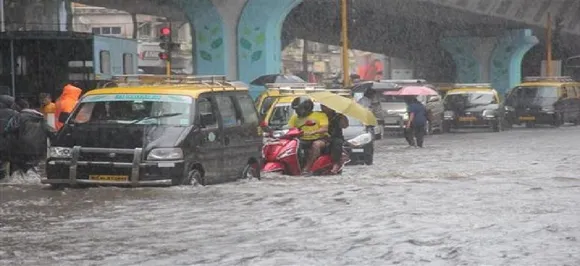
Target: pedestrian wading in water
415,128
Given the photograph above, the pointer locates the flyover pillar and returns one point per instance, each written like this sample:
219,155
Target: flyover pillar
496,60
260,38
210,37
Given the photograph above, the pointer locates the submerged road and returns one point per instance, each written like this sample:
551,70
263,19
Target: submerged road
510,198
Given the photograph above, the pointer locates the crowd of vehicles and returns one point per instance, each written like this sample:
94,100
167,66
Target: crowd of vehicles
155,130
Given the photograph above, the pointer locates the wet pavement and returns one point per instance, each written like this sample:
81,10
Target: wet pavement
509,198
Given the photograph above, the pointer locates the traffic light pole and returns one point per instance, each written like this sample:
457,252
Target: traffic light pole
168,61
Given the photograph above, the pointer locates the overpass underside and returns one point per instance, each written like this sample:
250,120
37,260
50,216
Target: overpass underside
485,39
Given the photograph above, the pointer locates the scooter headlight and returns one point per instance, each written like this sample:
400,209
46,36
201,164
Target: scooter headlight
279,133
361,140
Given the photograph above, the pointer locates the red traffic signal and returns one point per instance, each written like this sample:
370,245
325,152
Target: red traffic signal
165,31
163,56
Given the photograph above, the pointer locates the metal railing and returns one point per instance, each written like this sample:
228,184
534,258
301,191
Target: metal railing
548,78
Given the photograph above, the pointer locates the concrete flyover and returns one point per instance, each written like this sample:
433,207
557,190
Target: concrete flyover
486,39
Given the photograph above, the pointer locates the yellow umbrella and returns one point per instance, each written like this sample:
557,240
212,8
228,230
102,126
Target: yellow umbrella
345,106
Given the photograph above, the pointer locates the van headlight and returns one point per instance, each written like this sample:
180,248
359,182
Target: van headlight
361,140
165,154
59,152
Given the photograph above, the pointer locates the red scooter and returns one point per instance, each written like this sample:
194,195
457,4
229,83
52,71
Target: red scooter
282,154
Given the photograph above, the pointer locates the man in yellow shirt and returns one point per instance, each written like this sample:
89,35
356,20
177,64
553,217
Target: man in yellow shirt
315,136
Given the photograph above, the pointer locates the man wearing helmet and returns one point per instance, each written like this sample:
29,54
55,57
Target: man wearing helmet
315,136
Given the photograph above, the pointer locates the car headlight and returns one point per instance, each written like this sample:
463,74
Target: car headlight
488,113
59,152
548,110
165,154
405,116
361,140
448,114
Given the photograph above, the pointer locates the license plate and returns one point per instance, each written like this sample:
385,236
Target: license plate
467,118
358,150
527,118
112,178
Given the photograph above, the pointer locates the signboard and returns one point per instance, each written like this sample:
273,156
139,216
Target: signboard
138,97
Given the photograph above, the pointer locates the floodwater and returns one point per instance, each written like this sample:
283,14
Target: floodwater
510,198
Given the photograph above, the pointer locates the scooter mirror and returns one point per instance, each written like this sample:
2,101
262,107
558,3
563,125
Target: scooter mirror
310,123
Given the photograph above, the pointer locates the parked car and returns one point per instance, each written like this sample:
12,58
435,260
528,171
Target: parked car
360,142
394,113
473,106
183,134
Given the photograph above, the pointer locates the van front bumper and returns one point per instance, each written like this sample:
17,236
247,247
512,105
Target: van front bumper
76,171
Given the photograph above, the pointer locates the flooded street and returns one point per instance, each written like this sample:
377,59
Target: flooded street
509,198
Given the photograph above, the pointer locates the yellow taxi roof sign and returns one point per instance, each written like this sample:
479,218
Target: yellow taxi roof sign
549,79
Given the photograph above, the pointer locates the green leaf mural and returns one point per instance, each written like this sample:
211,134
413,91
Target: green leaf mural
215,30
256,56
217,43
201,37
247,30
260,39
245,44
205,56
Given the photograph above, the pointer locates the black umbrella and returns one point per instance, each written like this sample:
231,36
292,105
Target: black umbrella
276,78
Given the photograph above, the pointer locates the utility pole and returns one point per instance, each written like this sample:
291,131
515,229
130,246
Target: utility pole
549,46
345,55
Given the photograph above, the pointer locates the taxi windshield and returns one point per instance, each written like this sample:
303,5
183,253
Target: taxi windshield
543,95
174,110
470,98
281,115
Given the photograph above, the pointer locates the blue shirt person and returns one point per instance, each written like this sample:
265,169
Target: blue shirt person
415,128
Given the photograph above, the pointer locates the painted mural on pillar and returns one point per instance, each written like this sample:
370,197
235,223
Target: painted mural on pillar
463,51
259,38
507,57
210,41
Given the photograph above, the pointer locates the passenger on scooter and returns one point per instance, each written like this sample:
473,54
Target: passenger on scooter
337,122
315,136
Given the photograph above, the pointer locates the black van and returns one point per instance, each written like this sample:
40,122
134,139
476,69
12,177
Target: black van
201,132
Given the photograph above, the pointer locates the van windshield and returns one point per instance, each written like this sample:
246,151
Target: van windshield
539,95
144,109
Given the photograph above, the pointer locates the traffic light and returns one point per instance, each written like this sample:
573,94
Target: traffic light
165,43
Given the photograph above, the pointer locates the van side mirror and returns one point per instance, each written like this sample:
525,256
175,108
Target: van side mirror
63,117
207,119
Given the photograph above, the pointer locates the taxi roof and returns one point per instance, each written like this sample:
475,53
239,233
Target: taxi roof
175,85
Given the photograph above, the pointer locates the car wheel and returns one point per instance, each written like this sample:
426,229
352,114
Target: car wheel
193,177
369,159
446,127
496,126
558,120
251,170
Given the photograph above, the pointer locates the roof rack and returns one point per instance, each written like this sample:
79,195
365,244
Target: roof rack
148,79
294,86
548,78
472,85
403,81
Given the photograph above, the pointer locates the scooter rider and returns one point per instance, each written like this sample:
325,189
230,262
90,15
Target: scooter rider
314,136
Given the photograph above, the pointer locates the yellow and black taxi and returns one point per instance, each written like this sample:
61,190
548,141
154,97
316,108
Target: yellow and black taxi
472,106
178,131
276,90
544,100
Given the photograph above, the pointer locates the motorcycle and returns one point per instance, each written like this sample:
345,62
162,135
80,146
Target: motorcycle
282,154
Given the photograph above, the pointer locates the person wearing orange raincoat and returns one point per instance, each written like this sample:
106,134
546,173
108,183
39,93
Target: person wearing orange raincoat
66,102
